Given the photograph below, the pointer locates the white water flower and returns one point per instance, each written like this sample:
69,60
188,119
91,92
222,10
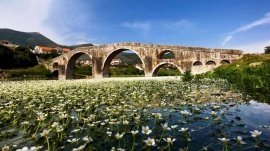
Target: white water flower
165,126
174,126
183,129
213,113
5,148
73,140
185,112
119,136
255,133
55,124
150,141
125,122
146,130
109,133
239,140
45,133
169,140
79,148
75,130
87,139
134,132
34,148
224,140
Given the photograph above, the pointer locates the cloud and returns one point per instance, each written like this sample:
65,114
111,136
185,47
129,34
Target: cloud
257,47
27,16
158,24
177,24
145,26
226,39
260,22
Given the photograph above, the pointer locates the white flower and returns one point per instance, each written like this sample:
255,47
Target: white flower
183,129
75,130
169,140
165,126
239,140
119,136
125,122
34,148
109,133
45,133
23,149
55,124
134,132
79,148
213,113
185,112
224,140
59,129
87,139
150,141
5,148
174,126
74,140
255,133
146,130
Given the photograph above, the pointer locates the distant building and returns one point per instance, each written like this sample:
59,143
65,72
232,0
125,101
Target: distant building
139,67
8,44
116,61
45,49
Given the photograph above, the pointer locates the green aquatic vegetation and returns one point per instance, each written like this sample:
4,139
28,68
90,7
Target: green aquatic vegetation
130,115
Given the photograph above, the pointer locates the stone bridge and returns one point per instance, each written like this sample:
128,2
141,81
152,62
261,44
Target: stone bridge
195,59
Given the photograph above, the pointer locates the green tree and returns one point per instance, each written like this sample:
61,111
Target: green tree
24,58
187,76
267,50
6,57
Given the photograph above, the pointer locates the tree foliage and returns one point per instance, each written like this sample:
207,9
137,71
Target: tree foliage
21,57
267,50
251,75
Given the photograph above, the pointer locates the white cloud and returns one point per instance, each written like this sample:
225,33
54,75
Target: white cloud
164,24
226,39
32,16
263,21
257,47
27,16
145,26
177,24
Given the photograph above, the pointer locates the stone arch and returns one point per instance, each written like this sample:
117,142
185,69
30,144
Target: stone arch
71,63
154,73
111,55
55,66
224,62
163,53
211,63
197,63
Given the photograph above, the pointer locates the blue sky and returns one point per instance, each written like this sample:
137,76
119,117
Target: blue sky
240,24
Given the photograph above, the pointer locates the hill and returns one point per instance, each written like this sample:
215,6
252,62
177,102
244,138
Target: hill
26,38
31,39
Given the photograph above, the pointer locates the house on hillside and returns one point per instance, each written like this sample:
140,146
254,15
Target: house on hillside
8,44
45,49
139,66
116,61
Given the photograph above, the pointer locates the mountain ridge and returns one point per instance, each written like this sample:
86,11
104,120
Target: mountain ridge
31,39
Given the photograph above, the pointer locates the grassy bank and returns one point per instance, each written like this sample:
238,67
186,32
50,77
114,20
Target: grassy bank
34,73
251,74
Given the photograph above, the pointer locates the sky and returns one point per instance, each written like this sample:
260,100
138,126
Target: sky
237,24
